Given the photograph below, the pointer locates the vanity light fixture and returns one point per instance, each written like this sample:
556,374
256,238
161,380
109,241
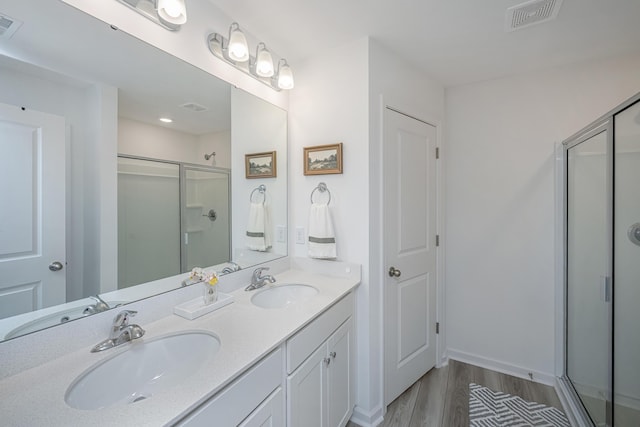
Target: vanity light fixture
165,120
238,47
235,51
173,11
169,14
264,61
285,75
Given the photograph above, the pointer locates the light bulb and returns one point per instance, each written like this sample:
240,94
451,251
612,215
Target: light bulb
173,11
264,62
238,48
285,76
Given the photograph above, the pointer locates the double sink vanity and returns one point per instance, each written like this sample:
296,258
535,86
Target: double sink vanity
283,352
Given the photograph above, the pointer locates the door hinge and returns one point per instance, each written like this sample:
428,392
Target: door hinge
437,327
437,240
437,153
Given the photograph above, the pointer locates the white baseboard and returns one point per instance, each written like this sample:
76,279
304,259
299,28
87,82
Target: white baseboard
503,367
367,418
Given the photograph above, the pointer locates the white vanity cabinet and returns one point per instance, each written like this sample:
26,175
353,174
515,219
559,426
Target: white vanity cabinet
254,399
320,368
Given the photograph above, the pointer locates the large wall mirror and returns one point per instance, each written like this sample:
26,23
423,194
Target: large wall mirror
101,203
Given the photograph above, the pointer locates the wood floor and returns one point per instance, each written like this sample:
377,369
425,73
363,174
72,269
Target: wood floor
441,397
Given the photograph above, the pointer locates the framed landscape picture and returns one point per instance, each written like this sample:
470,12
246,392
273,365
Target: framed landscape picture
323,159
261,165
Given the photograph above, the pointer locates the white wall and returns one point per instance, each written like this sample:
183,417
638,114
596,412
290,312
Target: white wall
500,206
338,98
158,142
144,140
330,105
257,127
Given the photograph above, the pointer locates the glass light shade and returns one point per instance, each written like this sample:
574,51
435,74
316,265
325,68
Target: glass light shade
238,47
285,77
173,11
264,63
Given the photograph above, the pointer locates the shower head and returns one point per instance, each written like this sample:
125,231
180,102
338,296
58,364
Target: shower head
208,156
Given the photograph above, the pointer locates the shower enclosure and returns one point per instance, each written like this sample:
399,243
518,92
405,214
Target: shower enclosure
602,267
171,217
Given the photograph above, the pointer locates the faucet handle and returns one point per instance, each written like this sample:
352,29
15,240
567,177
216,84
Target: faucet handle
258,271
122,318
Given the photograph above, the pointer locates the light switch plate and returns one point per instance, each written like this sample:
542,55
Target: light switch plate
300,240
281,234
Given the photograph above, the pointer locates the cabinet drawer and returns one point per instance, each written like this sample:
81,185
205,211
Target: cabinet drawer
232,405
301,345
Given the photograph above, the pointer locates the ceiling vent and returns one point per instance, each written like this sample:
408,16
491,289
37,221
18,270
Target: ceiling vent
8,26
530,13
194,107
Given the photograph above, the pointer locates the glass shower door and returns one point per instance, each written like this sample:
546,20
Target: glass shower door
626,362
148,221
588,355
206,221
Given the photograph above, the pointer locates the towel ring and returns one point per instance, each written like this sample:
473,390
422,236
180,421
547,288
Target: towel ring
322,187
262,189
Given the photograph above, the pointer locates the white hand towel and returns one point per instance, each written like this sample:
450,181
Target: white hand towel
257,232
322,239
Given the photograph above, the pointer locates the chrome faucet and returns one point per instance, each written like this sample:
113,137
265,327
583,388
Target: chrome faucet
230,269
98,307
121,332
258,280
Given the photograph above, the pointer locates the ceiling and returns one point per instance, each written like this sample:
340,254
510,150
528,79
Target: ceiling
454,41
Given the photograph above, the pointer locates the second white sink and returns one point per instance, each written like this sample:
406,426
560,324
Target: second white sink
281,296
144,368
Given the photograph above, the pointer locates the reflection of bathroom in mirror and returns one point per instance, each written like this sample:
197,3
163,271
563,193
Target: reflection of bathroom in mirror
101,102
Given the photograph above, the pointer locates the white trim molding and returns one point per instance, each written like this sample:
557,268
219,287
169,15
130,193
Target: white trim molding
503,367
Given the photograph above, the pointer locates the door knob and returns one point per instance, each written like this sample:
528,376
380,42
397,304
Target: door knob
55,266
394,272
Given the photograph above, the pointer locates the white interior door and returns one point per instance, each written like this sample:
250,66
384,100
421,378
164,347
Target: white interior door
409,197
32,210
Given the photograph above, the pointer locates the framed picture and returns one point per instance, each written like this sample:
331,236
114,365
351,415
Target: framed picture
323,159
261,165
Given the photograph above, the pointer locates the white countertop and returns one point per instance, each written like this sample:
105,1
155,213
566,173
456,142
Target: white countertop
35,397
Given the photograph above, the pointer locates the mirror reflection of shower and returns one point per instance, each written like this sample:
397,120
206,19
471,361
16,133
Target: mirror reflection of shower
211,156
171,217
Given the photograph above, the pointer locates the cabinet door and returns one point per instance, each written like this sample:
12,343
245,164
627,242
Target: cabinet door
269,414
340,392
306,391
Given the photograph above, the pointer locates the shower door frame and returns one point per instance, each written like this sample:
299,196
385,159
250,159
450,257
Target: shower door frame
182,196
566,390
604,124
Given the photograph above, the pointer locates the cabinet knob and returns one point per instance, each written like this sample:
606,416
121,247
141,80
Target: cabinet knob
327,361
332,354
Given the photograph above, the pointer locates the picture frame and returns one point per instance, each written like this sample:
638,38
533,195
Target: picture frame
323,159
261,165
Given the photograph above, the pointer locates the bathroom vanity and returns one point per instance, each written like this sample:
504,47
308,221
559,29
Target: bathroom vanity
290,365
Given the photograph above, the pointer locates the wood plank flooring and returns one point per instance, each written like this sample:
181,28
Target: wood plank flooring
441,397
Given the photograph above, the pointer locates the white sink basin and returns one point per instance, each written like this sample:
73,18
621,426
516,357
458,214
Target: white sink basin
280,296
144,368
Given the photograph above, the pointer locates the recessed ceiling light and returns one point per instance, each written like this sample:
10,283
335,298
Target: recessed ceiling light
166,120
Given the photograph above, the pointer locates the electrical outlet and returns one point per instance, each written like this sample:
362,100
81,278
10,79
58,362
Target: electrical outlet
281,234
300,240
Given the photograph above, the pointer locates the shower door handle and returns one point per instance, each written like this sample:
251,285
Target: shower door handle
606,288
